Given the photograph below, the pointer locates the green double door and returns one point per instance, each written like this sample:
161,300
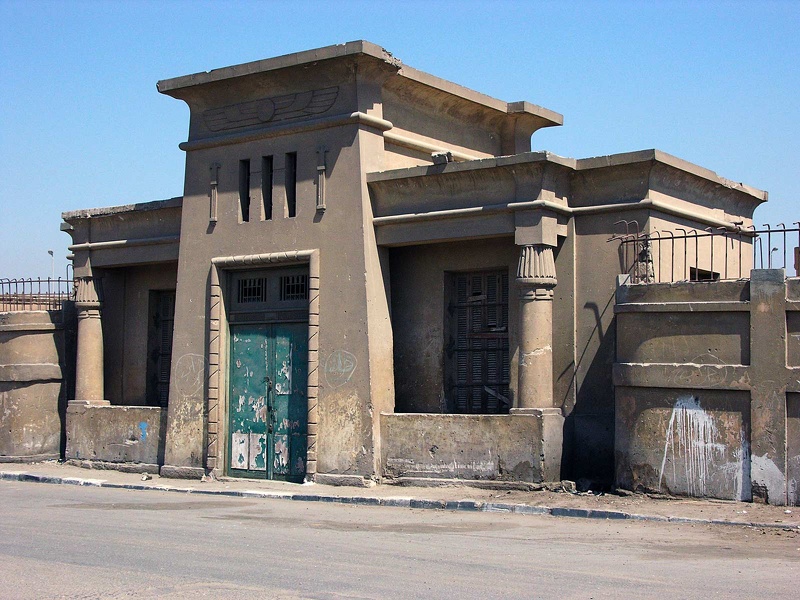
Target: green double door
267,400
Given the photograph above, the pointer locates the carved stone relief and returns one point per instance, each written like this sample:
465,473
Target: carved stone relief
268,110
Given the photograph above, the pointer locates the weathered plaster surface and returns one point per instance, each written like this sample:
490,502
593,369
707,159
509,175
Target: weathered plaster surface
114,434
714,411
683,442
502,447
32,391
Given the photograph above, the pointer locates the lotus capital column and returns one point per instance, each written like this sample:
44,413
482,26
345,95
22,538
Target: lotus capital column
89,382
536,278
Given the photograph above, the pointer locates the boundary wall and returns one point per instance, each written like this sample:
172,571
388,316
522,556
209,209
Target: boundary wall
35,353
707,380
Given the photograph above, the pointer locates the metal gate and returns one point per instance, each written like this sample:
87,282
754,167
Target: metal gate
267,400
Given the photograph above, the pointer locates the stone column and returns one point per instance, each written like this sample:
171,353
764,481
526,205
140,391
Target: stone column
536,278
89,384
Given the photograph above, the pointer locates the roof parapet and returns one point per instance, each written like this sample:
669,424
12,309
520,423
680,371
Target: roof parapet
581,164
538,116
88,213
169,86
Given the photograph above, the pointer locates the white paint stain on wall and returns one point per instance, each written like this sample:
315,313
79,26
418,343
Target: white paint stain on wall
692,443
739,470
766,474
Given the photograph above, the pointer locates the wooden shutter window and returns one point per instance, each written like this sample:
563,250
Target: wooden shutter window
477,363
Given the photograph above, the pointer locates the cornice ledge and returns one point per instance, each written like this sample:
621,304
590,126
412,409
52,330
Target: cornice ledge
355,118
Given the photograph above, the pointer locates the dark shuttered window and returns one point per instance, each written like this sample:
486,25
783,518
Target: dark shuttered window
162,319
477,361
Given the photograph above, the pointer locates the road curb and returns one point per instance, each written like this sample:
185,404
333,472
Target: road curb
397,502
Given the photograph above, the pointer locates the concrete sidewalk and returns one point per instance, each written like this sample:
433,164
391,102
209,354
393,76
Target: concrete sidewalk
455,497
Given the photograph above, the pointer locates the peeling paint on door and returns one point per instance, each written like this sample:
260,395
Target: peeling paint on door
257,452
239,450
268,376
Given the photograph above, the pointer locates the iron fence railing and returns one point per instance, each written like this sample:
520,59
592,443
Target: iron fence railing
34,294
706,255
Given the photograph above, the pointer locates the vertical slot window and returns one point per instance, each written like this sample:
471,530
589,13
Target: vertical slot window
244,190
291,183
266,187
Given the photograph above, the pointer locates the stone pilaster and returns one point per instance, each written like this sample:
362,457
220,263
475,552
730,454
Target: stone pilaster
89,383
768,372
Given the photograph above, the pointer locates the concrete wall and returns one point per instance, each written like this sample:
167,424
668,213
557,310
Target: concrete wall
707,388
672,194
33,383
118,436
793,447
484,447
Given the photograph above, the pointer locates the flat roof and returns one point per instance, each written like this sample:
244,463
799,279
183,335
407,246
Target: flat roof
581,164
358,47
278,62
612,160
88,213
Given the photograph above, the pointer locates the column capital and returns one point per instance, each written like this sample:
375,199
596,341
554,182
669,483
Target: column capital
537,267
88,292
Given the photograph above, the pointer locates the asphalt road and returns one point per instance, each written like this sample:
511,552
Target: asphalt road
61,541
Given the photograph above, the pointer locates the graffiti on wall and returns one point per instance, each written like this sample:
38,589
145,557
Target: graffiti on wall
190,373
339,368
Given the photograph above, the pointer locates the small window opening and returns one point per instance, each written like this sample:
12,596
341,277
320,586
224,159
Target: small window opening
291,183
266,187
252,290
696,274
294,287
244,190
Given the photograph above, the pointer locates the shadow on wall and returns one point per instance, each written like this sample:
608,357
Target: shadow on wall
589,428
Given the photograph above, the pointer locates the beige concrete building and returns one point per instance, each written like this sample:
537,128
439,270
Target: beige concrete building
369,276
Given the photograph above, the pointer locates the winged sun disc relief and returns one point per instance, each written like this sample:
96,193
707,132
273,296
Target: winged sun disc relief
275,109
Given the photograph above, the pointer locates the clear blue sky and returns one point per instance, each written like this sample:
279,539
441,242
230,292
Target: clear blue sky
81,123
